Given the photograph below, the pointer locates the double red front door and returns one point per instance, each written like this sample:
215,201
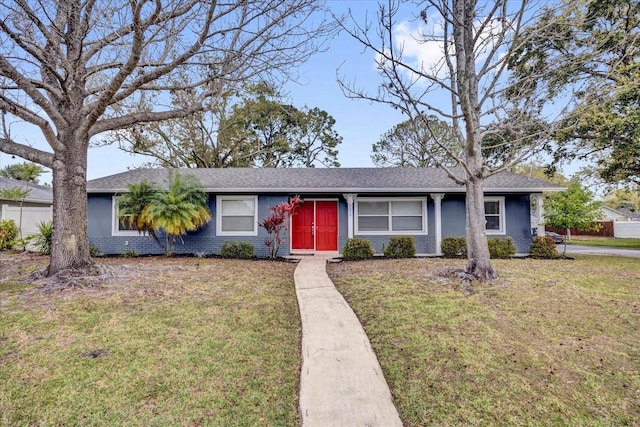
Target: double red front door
314,226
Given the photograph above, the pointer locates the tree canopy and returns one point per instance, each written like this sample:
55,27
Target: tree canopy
25,171
589,52
412,144
248,127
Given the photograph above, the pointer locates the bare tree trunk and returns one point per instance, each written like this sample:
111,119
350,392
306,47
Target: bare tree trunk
478,262
70,244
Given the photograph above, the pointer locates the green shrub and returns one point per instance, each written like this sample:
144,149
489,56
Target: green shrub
543,247
454,247
501,248
400,247
42,239
131,253
357,249
8,234
235,249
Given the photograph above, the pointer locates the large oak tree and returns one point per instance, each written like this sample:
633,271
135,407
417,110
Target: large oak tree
77,68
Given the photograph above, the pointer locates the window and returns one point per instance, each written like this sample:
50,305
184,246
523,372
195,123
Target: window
494,215
237,215
118,228
398,216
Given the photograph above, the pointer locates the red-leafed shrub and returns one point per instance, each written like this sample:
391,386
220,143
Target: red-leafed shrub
275,223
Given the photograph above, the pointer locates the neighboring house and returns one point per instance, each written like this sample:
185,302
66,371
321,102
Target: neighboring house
36,207
611,214
368,203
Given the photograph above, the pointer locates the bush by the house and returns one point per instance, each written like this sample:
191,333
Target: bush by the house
501,248
8,234
235,249
454,247
543,247
400,247
356,249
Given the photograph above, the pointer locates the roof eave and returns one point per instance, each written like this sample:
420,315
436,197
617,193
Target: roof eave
352,190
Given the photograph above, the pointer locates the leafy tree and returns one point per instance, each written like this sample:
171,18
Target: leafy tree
622,198
75,69
538,171
24,171
195,141
315,140
411,144
237,129
176,211
467,87
589,51
574,208
273,134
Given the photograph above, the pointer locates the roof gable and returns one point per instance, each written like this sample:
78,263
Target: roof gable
318,180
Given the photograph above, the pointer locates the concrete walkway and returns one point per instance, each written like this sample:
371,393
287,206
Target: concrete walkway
341,382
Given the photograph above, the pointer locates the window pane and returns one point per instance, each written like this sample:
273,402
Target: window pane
373,223
413,207
407,223
237,223
492,208
373,208
238,207
493,222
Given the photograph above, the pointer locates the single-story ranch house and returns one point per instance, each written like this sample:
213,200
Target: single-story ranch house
368,203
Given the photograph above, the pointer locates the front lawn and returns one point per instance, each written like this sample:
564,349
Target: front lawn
612,242
550,343
177,341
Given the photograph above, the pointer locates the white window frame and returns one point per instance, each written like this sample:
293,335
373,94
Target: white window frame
390,232
115,221
219,200
501,215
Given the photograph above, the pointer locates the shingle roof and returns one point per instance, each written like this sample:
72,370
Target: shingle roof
622,211
322,180
38,194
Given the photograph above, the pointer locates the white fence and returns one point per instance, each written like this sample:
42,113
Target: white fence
626,229
31,216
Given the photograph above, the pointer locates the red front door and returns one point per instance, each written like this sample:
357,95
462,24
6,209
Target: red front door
314,226
302,226
326,226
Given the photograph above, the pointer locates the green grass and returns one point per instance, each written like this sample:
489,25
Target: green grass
612,242
550,343
184,342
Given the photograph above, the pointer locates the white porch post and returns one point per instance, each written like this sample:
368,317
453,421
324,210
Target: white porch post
437,199
540,212
350,198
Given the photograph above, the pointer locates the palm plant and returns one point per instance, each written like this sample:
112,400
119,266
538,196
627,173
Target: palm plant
182,208
132,205
42,239
176,211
